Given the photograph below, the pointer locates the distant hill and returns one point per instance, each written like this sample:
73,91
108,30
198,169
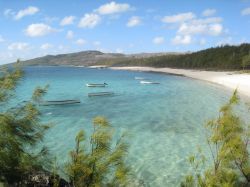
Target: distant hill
84,58
219,58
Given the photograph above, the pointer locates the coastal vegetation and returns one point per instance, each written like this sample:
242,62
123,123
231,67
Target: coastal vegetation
246,62
101,165
21,131
228,139
217,58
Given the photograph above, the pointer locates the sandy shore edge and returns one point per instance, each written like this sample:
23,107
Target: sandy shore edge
230,80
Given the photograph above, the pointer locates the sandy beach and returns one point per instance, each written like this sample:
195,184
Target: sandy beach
230,80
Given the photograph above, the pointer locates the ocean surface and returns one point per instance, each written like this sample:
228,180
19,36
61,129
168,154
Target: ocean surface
165,121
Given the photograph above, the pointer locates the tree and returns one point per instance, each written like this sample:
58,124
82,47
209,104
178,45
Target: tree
8,82
20,130
245,61
101,165
228,143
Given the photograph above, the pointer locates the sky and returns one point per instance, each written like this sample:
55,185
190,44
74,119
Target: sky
34,28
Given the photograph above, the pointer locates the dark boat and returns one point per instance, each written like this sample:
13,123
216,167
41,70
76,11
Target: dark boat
59,102
100,94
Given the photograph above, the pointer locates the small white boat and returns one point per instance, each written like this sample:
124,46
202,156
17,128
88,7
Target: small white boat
100,94
96,85
148,82
59,102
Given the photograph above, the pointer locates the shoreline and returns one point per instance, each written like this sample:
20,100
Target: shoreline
227,79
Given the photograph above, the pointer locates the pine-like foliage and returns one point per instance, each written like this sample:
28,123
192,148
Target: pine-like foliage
20,131
228,142
102,165
8,82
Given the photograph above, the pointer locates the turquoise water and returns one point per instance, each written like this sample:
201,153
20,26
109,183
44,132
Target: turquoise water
166,121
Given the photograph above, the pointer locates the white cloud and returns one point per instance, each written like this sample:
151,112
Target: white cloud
89,21
209,12
113,8
185,29
179,17
134,21
46,46
182,40
38,29
158,40
245,11
68,20
80,41
21,46
214,29
1,39
31,10
207,20
70,35
189,24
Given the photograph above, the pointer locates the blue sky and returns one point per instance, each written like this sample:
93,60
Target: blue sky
32,28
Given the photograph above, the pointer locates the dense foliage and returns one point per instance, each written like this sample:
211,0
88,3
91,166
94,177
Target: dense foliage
228,142
246,62
102,165
8,82
218,58
20,131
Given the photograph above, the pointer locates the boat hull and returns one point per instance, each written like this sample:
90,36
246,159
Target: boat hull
59,102
148,82
100,94
96,85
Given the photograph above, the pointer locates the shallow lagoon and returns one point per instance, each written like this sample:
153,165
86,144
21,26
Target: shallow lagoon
165,122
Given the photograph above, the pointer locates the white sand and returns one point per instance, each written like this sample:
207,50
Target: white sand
231,80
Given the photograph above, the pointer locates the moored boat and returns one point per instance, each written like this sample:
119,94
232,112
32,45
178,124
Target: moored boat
96,85
100,94
149,82
59,102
